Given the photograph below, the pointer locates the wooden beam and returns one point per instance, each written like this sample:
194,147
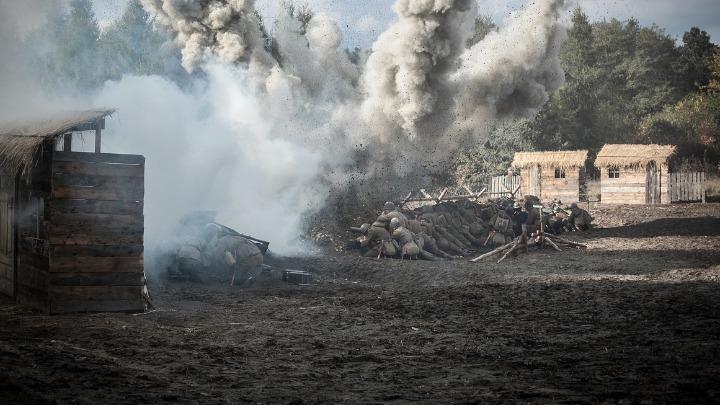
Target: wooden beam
442,195
66,156
67,142
98,139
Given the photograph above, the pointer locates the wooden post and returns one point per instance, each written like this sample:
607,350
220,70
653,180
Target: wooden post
702,187
98,139
67,142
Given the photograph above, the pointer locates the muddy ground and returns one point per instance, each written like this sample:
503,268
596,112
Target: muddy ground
634,319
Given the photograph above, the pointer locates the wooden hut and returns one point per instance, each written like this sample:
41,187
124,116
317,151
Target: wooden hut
551,175
634,174
71,223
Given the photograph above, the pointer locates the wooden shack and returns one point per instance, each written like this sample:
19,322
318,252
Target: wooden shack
552,175
634,174
71,223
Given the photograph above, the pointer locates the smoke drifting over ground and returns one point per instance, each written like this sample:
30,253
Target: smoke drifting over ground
263,136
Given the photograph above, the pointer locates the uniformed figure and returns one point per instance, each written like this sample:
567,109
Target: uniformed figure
378,241
231,254
579,218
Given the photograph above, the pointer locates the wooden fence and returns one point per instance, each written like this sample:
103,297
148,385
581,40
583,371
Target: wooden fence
686,187
499,186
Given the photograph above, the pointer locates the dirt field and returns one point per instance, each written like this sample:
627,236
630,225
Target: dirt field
635,319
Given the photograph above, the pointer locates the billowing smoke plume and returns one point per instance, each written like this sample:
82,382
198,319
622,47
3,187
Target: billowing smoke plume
411,61
229,29
279,119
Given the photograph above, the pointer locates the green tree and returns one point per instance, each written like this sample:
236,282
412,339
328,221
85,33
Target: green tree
697,52
77,53
131,45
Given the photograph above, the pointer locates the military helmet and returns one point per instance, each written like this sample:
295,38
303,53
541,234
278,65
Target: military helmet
379,224
389,206
573,206
394,223
364,227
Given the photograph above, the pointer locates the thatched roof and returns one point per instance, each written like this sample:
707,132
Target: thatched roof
19,141
562,159
633,155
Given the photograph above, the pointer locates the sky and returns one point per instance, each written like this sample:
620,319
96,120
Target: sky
363,21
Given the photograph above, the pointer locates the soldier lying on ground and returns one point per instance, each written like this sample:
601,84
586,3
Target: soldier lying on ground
410,245
220,252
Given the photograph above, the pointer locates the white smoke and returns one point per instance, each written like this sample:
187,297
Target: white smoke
19,87
212,148
263,136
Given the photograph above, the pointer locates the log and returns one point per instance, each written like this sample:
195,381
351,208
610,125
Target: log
494,252
551,243
565,241
512,249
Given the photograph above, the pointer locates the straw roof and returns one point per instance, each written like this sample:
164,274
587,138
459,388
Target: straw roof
633,155
563,159
19,141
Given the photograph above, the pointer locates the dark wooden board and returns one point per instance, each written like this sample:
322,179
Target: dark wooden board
32,259
98,169
98,158
97,279
33,277
106,239
99,193
97,264
66,306
32,298
7,287
104,229
91,220
86,180
95,207
95,251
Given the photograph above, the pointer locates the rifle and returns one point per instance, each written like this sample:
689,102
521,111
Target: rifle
261,244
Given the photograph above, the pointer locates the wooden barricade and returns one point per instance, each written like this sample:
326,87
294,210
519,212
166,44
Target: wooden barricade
686,187
95,232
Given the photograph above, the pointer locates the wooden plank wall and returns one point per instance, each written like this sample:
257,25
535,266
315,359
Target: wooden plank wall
32,260
628,189
7,234
565,189
96,226
687,187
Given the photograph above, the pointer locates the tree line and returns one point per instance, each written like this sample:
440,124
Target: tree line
624,83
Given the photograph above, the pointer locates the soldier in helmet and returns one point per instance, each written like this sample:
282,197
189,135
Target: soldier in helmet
232,254
410,244
378,241
389,212
579,219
